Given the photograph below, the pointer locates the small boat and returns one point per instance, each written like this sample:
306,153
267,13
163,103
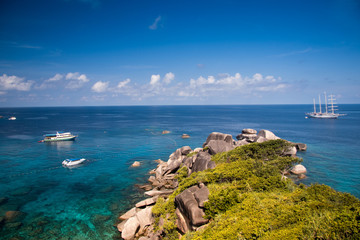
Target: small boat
329,109
12,118
58,136
73,162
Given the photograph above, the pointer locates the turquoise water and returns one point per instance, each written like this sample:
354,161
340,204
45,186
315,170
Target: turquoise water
84,202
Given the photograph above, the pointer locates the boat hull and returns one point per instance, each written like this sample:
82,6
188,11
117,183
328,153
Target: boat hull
72,163
323,116
56,139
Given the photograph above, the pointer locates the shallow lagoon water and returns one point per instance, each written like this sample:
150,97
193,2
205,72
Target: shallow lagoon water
84,202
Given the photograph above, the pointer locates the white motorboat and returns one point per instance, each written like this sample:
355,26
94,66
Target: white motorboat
58,136
12,118
73,161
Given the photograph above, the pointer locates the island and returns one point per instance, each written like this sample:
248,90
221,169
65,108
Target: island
246,188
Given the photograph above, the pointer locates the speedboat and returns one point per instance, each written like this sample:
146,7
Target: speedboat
12,118
73,161
59,136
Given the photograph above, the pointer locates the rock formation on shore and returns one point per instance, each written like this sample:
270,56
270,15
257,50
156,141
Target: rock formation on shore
138,222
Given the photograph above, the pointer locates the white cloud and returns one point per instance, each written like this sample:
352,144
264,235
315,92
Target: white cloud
154,79
154,26
77,80
257,78
169,77
100,86
202,81
55,78
123,83
14,83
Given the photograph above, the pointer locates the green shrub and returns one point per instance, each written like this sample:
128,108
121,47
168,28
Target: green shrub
249,199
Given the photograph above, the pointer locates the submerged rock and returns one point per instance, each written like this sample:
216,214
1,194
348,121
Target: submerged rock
21,191
135,164
3,200
14,216
185,136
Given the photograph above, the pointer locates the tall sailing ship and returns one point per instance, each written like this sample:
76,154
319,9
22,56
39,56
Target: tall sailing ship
330,109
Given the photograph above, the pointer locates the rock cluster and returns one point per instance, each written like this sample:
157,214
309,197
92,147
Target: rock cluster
139,220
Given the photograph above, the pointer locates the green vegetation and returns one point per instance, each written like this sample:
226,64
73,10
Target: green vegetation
249,199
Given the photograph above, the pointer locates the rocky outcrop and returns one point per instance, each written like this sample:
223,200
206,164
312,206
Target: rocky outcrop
201,162
298,169
190,203
247,134
218,146
218,137
267,135
300,146
189,211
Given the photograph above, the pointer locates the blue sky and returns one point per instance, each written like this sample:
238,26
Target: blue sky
143,52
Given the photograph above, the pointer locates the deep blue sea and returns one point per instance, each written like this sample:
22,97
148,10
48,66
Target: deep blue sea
84,202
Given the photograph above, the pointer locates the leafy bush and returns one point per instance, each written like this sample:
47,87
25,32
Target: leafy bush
249,199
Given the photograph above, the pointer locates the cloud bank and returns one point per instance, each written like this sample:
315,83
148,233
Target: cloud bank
14,83
162,88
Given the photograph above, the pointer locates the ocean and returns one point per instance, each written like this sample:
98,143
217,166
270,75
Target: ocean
84,202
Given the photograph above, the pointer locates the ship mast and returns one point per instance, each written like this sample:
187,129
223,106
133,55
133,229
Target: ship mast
326,106
314,106
319,104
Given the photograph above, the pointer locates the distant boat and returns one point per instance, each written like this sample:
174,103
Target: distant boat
58,136
330,109
73,162
12,118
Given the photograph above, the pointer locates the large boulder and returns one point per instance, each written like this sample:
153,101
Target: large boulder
298,169
250,137
174,165
189,207
202,162
153,193
249,131
219,136
182,222
260,139
185,150
146,202
128,214
145,217
268,135
241,143
291,151
219,146
188,162
131,227
300,146
160,169
202,195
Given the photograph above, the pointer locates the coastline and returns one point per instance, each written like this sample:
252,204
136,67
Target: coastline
141,222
